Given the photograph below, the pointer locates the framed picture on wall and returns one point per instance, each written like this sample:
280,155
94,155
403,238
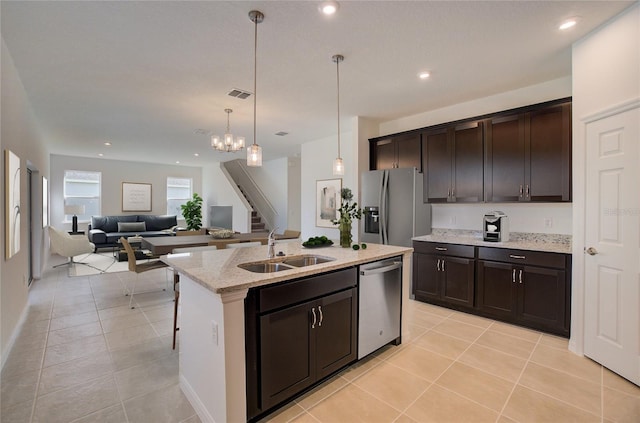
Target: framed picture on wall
327,201
12,203
136,197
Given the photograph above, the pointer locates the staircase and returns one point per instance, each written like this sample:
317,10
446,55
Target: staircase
257,225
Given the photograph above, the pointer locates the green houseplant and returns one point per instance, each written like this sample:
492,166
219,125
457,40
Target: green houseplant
192,212
348,212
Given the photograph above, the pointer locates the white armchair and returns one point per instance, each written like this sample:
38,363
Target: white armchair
68,246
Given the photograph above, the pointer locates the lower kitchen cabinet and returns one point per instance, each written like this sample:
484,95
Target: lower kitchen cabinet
298,333
444,274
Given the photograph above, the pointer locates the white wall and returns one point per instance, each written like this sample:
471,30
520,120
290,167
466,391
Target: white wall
606,73
219,192
294,192
21,135
272,179
114,172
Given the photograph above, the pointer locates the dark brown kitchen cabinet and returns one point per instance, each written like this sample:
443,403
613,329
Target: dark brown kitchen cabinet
444,274
396,152
453,163
297,334
528,155
524,287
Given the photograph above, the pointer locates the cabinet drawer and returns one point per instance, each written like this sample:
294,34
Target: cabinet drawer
536,258
290,293
444,249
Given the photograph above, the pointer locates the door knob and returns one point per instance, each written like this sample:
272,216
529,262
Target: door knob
591,251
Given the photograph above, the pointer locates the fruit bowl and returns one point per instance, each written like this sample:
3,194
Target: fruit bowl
317,242
221,234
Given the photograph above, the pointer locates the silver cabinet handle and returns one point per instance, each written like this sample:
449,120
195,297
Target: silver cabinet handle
517,257
313,324
443,265
591,251
321,317
441,249
438,265
527,190
513,276
520,190
520,276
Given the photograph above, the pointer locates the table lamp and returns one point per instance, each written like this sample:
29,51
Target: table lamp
75,210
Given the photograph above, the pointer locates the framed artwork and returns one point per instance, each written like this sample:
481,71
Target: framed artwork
45,202
327,201
136,197
12,203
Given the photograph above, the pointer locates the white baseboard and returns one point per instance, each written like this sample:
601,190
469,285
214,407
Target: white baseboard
194,399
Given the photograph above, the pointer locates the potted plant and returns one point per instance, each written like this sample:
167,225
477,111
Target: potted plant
348,212
192,213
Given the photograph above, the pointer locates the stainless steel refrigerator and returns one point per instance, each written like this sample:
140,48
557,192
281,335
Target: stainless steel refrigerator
394,208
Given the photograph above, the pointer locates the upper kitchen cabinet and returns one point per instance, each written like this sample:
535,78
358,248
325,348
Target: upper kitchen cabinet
528,155
396,152
453,163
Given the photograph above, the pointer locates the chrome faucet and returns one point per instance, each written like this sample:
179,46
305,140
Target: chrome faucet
271,243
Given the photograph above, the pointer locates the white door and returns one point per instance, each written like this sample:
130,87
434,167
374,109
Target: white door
612,239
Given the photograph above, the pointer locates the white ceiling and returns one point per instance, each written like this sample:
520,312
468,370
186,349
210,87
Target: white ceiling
145,75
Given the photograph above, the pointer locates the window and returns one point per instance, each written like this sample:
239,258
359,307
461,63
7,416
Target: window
178,193
82,188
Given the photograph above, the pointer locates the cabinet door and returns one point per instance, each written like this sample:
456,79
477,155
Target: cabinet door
409,152
541,298
426,275
504,167
335,332
437,163
385,154
467,148
549,154
458,276
287,351
496,290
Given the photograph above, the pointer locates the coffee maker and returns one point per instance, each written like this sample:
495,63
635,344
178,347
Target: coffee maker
496,227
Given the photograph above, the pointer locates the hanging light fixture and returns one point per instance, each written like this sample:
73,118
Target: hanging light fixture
228,144
338,165
254,151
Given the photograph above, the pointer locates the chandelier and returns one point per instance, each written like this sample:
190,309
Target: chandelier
228,144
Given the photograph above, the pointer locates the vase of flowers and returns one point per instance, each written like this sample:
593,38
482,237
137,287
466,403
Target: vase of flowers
348,212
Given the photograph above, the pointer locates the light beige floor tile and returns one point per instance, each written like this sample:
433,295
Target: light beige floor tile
162,312
22,362
554,341
112,301
23,343
476,385
395,386
433,309
420,362
123,310
352,404
65,310
142,353
19,413
568,362
562,386
517,331
359,368
442,344
167,404
76,349
424,319
305,418
620,407
404,419
74,372
19,388
73,333
507,344
321,392
614,381
74,320
527,406
140,380
37,327
113,414
505,419
410,332
284,414
440,405
494,362
459,330
163,327
129,336
123,322
66,300
71,403
470,319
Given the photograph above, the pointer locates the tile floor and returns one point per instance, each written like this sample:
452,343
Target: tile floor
84,356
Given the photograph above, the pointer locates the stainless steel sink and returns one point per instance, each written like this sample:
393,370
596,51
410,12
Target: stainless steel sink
284,263
306,260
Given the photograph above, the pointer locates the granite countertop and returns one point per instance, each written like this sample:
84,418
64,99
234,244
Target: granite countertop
218,271
554,243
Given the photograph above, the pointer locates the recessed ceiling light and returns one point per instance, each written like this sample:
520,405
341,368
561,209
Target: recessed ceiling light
100,154
568,23
329,7
177,161
424,75
196,154
108,144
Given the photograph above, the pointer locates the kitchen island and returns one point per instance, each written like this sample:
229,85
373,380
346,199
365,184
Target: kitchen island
212,324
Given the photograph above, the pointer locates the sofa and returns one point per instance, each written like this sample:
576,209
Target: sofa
105,231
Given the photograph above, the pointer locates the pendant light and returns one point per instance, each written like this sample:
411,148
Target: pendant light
254,152
228,144
338,165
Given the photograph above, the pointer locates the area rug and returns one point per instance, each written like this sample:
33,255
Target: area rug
97,263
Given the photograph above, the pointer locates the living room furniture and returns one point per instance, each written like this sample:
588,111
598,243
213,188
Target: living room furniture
138,268
165,245
69,246
104,231
245,244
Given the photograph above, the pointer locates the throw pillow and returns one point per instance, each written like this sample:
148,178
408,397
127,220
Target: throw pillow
132,227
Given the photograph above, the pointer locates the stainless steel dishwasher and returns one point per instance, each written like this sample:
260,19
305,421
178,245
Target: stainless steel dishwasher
380,292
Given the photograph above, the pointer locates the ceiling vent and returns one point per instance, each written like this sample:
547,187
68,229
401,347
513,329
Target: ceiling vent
238,93
282,133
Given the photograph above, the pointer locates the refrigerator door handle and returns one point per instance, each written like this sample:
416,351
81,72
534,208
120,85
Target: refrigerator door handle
383,208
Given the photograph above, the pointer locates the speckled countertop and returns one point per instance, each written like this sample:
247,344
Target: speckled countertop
553,243
218,271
